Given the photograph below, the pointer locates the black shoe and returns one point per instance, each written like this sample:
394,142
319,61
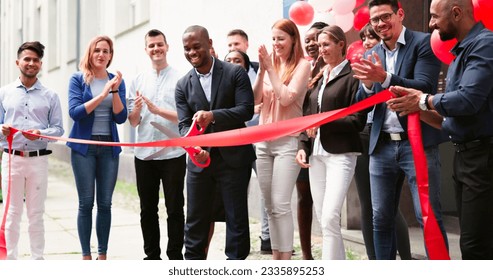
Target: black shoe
265,248
152,258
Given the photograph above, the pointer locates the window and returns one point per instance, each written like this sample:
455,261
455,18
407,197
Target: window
134,13
53,35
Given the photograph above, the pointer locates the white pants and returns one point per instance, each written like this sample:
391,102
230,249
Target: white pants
29,181
330,177
277,172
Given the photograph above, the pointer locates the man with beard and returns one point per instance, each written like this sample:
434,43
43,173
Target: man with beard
29,106
219,97
151,99
465,113
405,58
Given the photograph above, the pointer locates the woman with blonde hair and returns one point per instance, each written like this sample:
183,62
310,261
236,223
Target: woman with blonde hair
335,145
96,105
281,86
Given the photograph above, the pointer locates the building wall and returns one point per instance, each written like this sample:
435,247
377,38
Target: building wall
55,24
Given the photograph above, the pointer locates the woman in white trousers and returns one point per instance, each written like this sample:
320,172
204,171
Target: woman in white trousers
280,86
334,146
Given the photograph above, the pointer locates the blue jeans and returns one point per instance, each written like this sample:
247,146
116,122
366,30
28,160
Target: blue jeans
389,161
95,175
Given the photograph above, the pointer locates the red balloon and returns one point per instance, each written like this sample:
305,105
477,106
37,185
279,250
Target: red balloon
361,18
482,12
359,2
301,13
354,51
441,49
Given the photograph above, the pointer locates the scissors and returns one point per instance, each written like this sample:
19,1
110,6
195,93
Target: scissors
193,131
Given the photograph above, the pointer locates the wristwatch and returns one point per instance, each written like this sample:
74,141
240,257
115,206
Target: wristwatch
422,102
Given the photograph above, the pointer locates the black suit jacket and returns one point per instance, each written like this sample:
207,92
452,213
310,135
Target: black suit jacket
231,103
342,135
254,65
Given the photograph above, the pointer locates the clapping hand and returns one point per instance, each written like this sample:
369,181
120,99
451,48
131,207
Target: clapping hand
369,70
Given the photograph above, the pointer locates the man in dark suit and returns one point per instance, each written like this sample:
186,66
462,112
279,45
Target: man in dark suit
403,58
219,96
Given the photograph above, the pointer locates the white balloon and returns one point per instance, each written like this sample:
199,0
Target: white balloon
342,7
321,5
345,22
324,17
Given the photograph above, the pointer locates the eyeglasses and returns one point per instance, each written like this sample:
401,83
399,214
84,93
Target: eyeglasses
384,18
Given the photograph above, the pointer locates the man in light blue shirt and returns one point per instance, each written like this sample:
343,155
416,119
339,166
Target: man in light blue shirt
152,99
29,106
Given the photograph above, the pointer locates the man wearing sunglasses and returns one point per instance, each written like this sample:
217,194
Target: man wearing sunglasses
403,58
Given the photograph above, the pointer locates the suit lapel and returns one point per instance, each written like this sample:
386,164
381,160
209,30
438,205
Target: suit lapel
403,51
197,90
381,53
380,109
345,71
217,74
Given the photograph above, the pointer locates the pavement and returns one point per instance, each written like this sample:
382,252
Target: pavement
125,242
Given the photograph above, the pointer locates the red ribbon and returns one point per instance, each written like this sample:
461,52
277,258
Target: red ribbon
3,243
279,129
437,250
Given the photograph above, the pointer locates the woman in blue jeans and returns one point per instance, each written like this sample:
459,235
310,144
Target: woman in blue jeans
96,105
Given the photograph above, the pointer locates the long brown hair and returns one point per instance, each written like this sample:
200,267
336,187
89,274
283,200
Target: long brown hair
86,63
291,29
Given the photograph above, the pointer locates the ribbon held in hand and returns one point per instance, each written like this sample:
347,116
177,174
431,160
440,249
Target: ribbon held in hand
3,242
437,250
192,151
195,137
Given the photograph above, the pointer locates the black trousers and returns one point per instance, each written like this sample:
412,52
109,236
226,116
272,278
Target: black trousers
150,174
232,184
473,179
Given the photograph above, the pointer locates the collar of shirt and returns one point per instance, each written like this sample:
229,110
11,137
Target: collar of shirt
206,81
37,85
210,71
400,41
473,33
329,76
336,70
162,72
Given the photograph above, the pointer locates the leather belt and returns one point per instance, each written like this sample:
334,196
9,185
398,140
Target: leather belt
461,147
37,153
393,136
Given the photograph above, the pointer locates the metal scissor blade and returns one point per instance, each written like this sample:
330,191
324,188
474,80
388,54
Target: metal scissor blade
190,150
166,131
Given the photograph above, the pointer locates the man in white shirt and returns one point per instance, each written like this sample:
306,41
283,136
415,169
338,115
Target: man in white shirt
152,99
